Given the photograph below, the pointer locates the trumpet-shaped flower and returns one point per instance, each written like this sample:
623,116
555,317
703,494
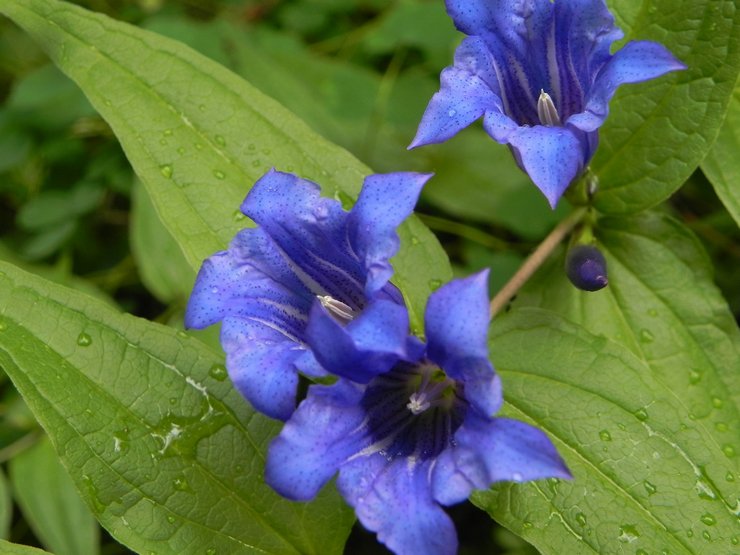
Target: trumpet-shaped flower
540,74
416,437
308,267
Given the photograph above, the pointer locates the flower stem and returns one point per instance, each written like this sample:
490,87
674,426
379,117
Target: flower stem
535,260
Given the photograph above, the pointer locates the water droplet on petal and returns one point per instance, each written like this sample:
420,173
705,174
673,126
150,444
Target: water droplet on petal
452,113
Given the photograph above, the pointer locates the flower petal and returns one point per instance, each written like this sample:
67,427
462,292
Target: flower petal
322,434
467,90
385,201
249,279
311,233
260,360
364,348
456,326
394,500
551,156
489,451
638,61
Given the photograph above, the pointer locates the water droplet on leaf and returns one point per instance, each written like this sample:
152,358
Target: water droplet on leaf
581,519
649,487
628,533
218,174
646,336
84,340
166,170
604,435
218,372
708,519
220,141
641,414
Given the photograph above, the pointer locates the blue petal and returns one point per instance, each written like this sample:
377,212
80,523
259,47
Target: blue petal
551,156
394,500
321,435
456,326
468,89
250,279
311,233
260,360
638,61
369,345
488,451
385,201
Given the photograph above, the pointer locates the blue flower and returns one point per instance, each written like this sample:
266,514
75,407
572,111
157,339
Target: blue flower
416,437
540,74
309,269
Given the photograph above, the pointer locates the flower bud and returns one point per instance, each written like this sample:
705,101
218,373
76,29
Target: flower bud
586,268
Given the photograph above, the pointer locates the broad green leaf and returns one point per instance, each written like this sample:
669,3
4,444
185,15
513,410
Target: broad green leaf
638,385
197,135
722,166
50,502
658,132
6,506
162,267
163,449
7,548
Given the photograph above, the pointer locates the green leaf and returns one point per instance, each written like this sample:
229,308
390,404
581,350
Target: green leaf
638,386
197,135
7,548
722,166
6,506
161,446
162,266
658,132
50,502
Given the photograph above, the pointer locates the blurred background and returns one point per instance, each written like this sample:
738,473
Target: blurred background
360,72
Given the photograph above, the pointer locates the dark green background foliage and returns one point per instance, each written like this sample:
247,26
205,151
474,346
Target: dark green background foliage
123,159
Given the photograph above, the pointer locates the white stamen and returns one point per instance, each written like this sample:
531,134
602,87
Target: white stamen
418,403
546,110
340,311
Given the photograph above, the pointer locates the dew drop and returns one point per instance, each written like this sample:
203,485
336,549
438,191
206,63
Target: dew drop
202,107
581,519
690,533
182,334
717,402
414,240
435,284
721,427
708,519
706,535
641,414
163,141
527,524
3,326
734,540
604,435
704,490
173,400
218,372
218,174
730,477
256,163
641,552
452,113
84,340
252,147
646,336
167,132
220,141
238,216
694,376
266,151
652,312
181,484
181,150
649,487
210,551
166,170
628,533
728,450
171,519
198,146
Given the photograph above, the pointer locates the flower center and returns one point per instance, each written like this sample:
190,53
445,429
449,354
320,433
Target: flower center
341,312
413,410
546,110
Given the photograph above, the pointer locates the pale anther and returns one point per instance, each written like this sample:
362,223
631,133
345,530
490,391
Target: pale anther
418,403
546,110
339,310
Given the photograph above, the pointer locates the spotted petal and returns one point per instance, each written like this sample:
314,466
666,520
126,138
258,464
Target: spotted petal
385,201
489,451
395,500
323,433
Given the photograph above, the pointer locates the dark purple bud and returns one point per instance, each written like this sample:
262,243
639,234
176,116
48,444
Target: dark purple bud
586,268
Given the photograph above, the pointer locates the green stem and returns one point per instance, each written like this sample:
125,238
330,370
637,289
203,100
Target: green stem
535,260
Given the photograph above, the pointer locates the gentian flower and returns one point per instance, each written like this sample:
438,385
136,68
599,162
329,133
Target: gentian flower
540,74
309,267
416,437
